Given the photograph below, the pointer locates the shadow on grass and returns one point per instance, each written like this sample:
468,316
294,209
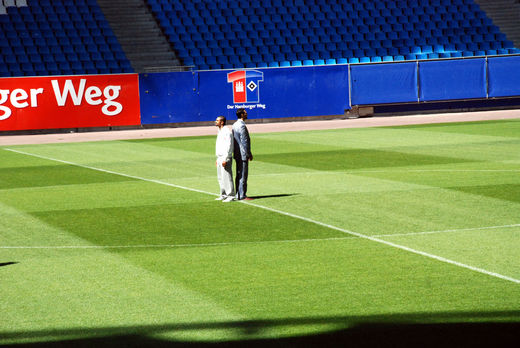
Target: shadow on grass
496,329
2,264
351,159
274,196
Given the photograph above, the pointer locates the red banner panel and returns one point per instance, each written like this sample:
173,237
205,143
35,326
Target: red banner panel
69,102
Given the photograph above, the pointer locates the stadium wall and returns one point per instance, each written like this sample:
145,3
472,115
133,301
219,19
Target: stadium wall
266,93
154,99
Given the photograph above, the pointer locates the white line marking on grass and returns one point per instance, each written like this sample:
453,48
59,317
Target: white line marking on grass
112,172
194,245
398,246
355,172
373,239
435,170
446,231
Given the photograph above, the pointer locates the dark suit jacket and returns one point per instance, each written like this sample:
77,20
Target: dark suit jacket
241,141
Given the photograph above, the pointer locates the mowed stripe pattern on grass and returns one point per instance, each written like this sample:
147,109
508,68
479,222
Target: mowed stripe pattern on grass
330,278
374,239
142,228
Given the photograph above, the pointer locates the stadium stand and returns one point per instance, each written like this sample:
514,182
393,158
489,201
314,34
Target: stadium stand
63,37
210,34
140,36
57,37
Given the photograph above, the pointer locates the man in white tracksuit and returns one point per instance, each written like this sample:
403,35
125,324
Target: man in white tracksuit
224,152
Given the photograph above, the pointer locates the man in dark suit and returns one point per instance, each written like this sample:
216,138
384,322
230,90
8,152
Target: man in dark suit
241,153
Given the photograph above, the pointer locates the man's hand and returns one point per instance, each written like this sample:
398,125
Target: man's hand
251,157
224,163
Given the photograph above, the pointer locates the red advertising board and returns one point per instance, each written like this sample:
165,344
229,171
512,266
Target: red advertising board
69,102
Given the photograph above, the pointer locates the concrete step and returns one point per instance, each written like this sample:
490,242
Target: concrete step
162,54
146,41
506,15
138,33
150,36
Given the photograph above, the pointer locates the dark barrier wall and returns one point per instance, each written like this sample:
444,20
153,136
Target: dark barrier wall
266,93
435,80
384,83
322,90
452,79
504,76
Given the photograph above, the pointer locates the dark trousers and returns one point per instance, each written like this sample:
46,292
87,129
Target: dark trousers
241,177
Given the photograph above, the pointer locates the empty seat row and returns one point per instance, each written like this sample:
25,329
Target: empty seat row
303,13
325,29
58,37
257,60
62,68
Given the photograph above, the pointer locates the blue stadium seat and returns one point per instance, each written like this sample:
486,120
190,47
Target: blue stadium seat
290,56
302,56
314,55
381,52
52,28
323,29
245,59
370,52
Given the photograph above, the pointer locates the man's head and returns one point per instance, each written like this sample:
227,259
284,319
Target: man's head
220,122
242,114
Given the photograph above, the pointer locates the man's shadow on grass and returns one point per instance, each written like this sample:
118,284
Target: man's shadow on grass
274,196
2,264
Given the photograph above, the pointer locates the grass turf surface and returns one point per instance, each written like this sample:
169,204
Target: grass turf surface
107,243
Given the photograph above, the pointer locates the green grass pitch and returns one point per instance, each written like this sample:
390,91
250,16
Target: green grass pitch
406,234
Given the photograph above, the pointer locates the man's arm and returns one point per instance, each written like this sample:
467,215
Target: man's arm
248,144
246,141
229,145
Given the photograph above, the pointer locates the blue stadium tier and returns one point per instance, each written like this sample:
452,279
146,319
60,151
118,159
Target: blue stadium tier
216,34
57,37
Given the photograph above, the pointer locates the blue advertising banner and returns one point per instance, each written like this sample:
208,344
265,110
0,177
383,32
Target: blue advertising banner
384,83
290,92
452,79
168,98
504,76
266,93
274,93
